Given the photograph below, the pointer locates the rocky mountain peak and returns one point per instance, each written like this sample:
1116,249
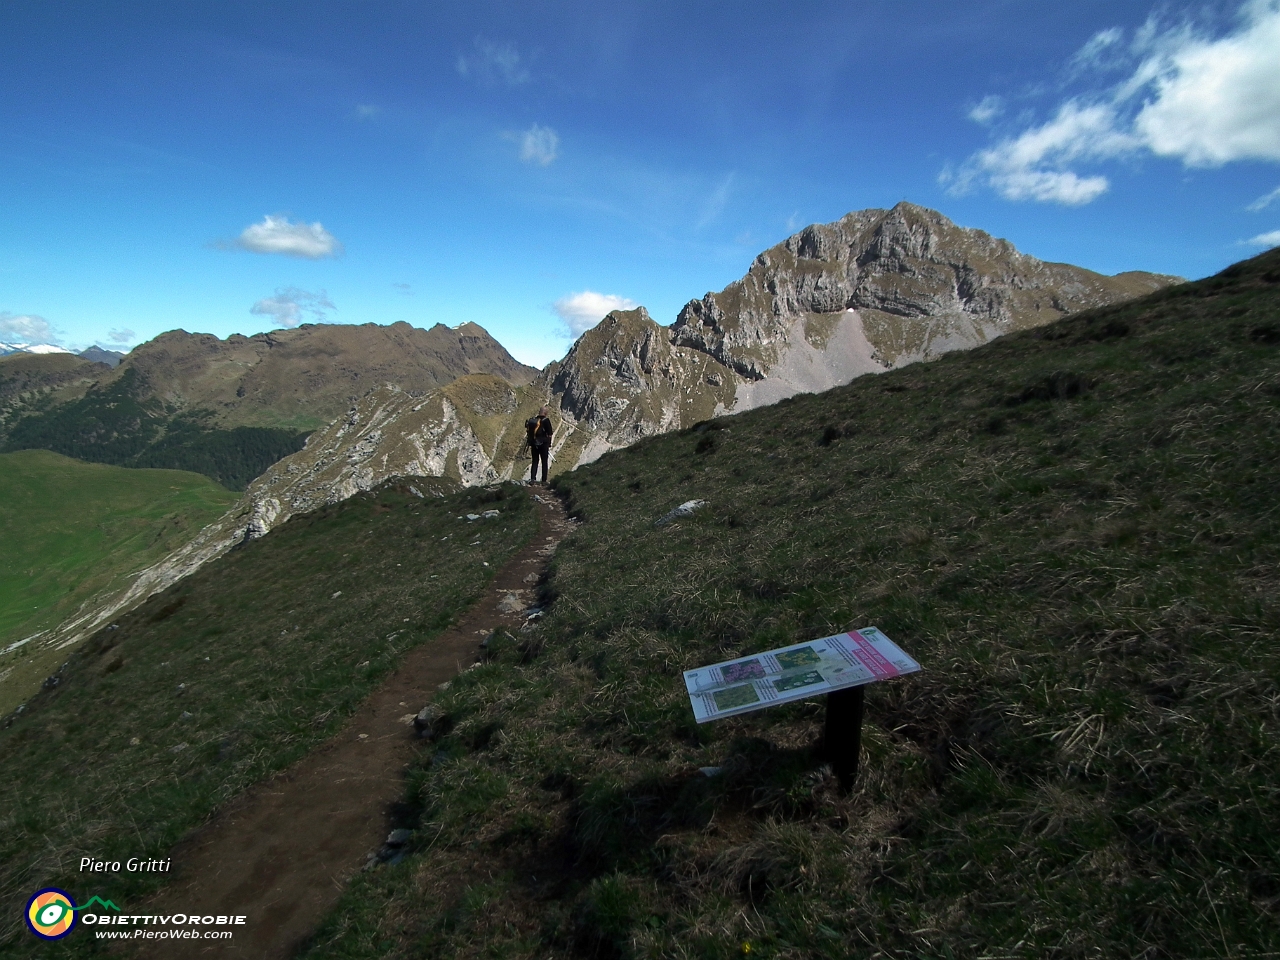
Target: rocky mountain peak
921,285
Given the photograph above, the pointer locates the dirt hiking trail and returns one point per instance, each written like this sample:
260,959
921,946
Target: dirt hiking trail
282,853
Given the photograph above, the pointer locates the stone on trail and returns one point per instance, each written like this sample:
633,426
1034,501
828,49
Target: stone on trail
510,604
429,722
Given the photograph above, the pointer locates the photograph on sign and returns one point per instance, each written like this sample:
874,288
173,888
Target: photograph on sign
793,673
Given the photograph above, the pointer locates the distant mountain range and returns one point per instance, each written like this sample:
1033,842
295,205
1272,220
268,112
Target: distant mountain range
227,408
94,354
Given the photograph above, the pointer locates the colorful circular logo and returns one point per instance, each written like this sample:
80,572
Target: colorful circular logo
51,913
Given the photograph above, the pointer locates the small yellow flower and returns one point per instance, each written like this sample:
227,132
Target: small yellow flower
746,947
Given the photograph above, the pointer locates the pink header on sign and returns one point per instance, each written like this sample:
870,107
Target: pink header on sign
871,657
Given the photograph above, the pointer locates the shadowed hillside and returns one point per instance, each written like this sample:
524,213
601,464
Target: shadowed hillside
226,678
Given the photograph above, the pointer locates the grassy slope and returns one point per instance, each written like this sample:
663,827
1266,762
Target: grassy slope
273,663
71,530
1073,529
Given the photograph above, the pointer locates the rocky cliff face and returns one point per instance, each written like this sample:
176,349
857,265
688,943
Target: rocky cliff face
875,290
919,285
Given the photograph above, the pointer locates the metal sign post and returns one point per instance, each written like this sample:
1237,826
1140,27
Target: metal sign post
842,734
839,666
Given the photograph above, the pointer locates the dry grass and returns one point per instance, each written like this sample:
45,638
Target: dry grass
1075,530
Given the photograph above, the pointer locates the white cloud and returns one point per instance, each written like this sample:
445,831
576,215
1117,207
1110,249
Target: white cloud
276,234
1032,165
539,145
1271,239
494,63
288,306
1216,101
987,109
1265,201
1201,100
582,311
26,328
367,111
120,336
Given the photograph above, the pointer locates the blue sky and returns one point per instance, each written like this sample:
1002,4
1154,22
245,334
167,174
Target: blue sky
233,167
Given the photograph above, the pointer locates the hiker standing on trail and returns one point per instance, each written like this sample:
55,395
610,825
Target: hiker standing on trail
539,431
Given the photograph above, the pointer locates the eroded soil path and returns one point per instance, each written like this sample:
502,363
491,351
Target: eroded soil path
282,853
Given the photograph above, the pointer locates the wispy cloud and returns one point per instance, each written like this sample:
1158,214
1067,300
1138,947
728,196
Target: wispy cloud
291,306
1101,52
1271,239
1265,201
714,204
987,109
26,328
120,336
494,63
582,311
540,145
277,234
404,289
1206,101
367,111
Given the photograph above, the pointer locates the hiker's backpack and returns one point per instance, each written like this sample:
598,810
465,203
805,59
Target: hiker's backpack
530,428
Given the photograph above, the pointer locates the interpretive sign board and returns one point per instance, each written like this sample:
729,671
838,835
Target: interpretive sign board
794,673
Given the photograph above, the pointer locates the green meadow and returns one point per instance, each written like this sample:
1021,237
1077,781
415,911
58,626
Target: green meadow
72,530
1075,530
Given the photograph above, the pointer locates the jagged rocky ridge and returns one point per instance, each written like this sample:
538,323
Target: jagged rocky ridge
875,290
